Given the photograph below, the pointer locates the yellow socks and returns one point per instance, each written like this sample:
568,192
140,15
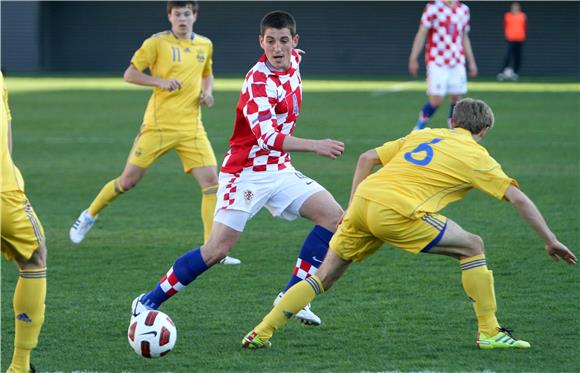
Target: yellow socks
28,305
208,202
296,298
108,194
478,284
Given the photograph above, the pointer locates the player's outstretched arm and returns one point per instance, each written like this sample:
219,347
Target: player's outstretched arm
534,218
471,64
364,167
132,75
327,148
418,44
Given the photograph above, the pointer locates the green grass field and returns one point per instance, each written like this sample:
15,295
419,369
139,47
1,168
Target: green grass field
393,312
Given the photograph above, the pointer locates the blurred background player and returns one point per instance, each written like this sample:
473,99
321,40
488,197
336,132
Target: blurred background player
515,25
257,170
180,65
445,25
399,205
22,242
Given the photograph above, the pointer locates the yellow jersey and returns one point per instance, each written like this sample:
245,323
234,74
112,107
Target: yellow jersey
10,174
188,61
428,169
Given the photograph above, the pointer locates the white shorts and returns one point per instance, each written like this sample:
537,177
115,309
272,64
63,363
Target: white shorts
244,195
443,80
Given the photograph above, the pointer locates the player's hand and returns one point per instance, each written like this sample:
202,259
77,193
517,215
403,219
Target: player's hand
169,84
413,67
329,148
473,70
558,250
206,99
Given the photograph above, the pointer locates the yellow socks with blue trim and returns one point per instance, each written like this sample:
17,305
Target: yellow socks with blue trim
296,298
478,284
28,304
108,194
208,202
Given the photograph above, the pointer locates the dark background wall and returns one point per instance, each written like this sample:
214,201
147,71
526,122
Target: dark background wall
339,37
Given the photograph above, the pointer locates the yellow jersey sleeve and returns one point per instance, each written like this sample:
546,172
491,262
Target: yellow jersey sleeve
145,56
6,111
488,176
208,67
388,150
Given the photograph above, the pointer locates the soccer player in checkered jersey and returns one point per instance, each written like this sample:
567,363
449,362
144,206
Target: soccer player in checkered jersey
445,25
23,243
257,171
180,72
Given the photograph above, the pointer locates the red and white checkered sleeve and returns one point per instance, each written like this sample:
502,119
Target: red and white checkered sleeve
428,16
260,113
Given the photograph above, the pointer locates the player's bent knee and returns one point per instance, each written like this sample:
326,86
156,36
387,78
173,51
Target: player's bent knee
476,246
36,261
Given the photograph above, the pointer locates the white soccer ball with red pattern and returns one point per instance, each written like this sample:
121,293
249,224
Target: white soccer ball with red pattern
152,334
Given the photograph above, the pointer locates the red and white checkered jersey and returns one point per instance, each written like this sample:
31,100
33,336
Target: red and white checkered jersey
446,25
267,111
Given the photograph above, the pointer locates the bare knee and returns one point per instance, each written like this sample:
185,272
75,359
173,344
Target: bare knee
36,261
476,246
128,182
329,216
213,251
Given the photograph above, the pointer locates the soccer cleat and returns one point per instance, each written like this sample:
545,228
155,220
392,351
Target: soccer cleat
137,307
503,339
252,341
229,261
31,369
305,315
82,225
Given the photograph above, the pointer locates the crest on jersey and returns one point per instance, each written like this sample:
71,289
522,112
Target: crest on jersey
248,195
200,56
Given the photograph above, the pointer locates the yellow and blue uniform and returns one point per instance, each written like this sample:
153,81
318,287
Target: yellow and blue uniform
173,118
21,230
421,174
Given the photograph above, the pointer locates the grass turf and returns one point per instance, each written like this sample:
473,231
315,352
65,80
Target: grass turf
394,311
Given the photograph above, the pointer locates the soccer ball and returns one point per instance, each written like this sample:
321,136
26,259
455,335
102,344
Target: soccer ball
152,334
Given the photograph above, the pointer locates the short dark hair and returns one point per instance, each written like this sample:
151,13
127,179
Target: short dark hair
182,4
278,19
473,115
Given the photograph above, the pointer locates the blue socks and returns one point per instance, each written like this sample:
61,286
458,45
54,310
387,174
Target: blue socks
424,115
185,269
311,255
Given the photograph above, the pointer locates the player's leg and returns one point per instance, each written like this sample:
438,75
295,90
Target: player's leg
148,146
352,242
208,182
436,89
198,159
478,284
457,87
302,196
225,233
295,299
23,241
517,48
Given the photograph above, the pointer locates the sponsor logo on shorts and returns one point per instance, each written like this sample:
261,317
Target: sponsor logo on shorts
138,152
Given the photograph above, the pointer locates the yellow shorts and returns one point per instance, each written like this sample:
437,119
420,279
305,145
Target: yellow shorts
367,225
21,230
192,147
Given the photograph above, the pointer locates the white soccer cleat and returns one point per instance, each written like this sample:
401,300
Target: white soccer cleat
305,315
137,307
82,225
229,261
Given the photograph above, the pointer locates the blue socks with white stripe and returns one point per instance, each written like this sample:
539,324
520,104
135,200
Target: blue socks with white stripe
185,269
311,255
